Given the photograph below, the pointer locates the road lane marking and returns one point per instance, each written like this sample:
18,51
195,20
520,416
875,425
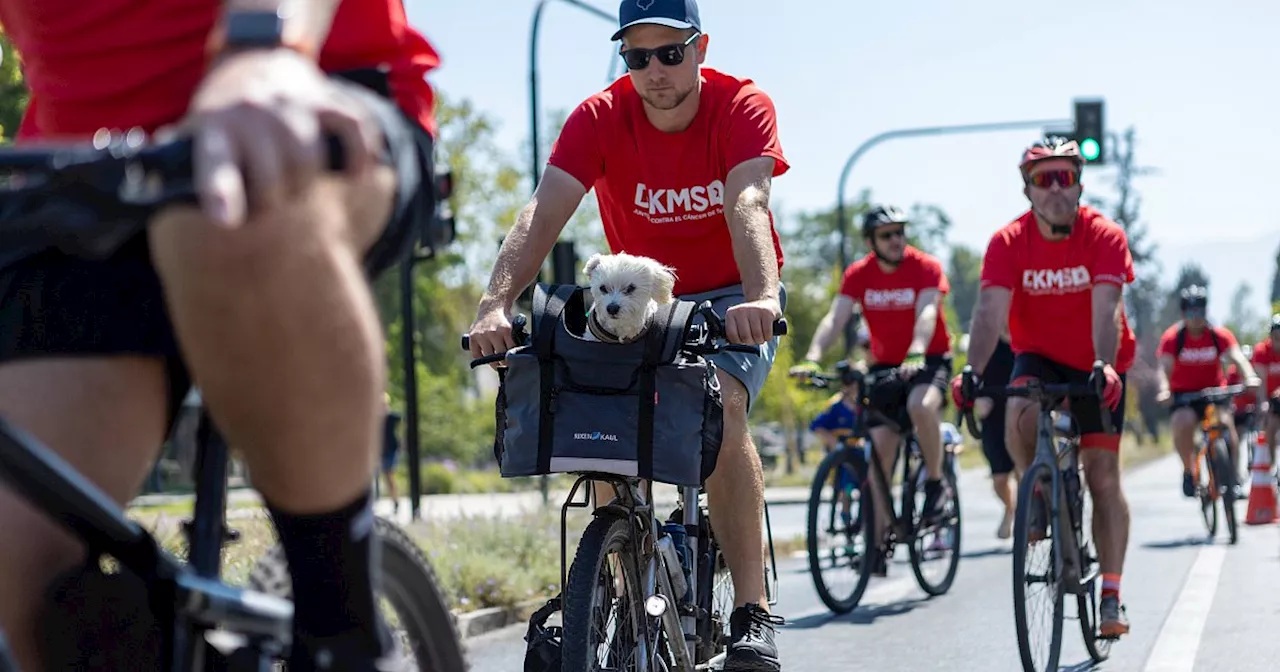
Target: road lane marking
1179,639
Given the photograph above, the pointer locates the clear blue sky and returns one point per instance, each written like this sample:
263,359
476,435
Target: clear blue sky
1198,81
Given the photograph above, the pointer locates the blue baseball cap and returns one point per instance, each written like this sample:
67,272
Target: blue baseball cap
682,14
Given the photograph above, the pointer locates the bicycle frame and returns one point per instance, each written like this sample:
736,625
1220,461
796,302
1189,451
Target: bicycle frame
193,600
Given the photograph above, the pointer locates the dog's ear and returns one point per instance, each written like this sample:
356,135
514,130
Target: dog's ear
666,277
592,262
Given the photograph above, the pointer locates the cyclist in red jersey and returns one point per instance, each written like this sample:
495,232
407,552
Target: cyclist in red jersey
260,294
1244,407
1266,358
1054,277
1191,354
681,158
899,289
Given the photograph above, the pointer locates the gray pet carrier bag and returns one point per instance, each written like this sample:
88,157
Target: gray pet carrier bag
641,409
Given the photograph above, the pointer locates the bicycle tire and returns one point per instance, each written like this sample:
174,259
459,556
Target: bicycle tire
915,548
1208,502
1099,648
1021,525
604,534
408,582
714,628
1225,477
822,479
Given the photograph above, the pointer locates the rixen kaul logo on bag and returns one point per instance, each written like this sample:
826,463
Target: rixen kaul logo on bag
594,436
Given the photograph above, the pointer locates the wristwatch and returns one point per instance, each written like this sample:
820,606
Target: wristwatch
249,30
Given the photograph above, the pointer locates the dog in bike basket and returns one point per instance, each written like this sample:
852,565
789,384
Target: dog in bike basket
626,291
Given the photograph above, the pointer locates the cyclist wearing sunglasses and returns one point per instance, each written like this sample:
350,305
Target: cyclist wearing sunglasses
1266,357
264,286
899,289
1191,354
1054,278
681,158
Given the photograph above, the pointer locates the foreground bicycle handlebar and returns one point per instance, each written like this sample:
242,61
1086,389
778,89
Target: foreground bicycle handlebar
1214,395
1050,394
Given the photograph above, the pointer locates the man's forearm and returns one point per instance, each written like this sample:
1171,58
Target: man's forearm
926,322
752,235
1106,330
989,320
822,337
523,251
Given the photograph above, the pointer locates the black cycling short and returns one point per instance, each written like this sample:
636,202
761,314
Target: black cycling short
52,304
1087,414
997,374
1197,407
888,398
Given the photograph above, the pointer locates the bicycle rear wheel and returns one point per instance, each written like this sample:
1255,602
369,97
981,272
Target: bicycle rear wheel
1225,475
838,543
420,615
1037,586
935,549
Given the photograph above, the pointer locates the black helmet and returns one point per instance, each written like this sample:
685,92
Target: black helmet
1193,296
1275,322
849,374
879,216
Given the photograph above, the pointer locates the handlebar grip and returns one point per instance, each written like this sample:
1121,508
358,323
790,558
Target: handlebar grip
1099,381
780,327
518,332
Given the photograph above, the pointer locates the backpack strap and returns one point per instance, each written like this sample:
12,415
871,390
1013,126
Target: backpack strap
1181,339
548,309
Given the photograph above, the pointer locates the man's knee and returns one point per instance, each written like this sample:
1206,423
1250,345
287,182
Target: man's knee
1020,420
337,214
733,395
1102,473
924,401
1182,419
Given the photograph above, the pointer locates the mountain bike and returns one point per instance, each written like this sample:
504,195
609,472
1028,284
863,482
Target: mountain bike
644,595
1213,471
848,546
1052,484
87,201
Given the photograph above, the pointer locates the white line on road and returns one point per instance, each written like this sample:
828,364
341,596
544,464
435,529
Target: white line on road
1175,649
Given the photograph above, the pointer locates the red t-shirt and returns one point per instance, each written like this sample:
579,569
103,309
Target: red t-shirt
94,64
1199,365
1267,362
662,194
1052,284
889,302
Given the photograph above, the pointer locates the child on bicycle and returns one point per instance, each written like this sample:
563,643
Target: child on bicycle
839,424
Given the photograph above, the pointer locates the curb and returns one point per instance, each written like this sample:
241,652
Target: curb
475,623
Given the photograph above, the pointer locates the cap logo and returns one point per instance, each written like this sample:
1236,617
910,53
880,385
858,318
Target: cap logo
644,5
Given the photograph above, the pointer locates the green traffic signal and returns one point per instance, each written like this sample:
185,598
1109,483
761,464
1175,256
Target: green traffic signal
1090,149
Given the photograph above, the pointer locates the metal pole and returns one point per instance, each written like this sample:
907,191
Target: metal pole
907,133
408,329
535,117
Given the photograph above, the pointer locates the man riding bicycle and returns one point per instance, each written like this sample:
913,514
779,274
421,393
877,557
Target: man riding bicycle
900,290
681,158
1191,354
1266,355
260,294
1054,278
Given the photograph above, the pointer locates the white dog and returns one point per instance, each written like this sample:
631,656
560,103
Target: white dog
627,292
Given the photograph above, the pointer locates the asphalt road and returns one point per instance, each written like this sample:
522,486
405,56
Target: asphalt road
1194,605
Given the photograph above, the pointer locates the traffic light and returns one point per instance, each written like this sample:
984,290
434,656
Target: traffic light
564,263
1090,131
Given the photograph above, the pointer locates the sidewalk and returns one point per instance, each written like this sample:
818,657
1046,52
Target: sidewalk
448,507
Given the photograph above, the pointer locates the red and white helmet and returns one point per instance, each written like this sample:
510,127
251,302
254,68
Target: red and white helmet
1051,147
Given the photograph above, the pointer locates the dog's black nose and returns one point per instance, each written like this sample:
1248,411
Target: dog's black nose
613,309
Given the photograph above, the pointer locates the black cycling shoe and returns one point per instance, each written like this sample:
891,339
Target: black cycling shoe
1188,485
932,510
751,647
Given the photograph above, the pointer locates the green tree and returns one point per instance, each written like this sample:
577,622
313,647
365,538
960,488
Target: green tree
1243,319
964,271
13,90
1275,280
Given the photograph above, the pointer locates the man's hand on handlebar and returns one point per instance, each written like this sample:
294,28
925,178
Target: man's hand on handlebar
1113,388
751,323
1164,396
491,333
804,369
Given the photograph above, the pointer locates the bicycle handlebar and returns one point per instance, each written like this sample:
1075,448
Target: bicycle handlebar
706,341
88,199
1216,395
1048,395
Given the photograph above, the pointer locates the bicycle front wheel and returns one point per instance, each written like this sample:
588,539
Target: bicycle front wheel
935,548
1226,475
1037,572
604,623
838,514
1206,490
420,615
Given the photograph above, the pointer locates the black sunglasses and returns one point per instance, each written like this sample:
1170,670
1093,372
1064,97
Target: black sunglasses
668,54
891,234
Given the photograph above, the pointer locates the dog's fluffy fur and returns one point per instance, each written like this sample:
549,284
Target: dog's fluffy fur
627,291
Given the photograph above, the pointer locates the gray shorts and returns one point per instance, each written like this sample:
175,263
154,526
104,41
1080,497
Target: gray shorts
750,370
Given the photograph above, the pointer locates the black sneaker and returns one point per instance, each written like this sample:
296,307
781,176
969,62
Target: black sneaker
932,511
751,647
1188,485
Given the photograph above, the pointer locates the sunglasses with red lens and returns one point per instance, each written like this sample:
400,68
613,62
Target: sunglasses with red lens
1063,178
